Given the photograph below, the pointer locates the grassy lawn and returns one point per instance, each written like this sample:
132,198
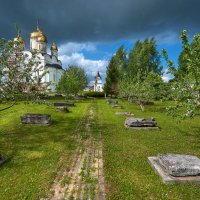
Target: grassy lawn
35,154
127,172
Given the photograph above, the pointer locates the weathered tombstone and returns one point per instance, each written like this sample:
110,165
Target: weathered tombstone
141,123
111,101
117,106
57,104
176,168
36,119
79,98
2,160
124,113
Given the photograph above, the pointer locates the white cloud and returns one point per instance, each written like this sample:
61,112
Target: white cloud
72,47
166,78
91,67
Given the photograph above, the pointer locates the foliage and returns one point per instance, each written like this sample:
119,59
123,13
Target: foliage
151,88
20,74
144,58
112,78
73,81
115,71
186,87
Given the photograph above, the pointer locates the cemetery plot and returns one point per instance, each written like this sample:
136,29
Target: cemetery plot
124,113
141,123
57,104
176,168
36,119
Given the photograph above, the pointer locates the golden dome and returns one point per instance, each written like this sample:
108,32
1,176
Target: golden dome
19,40
54,47
39,35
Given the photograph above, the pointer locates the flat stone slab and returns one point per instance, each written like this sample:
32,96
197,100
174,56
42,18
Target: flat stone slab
36,119
124,113
180,165
141,123
111,101
117,106
58,104
167,178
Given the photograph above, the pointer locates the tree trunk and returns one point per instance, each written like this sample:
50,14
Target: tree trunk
142,107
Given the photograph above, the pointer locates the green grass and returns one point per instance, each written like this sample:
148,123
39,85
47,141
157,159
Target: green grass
127,172
35,154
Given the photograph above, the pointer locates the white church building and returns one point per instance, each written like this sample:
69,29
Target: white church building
50,62
98,86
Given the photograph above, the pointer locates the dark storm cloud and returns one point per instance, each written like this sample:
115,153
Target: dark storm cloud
99,20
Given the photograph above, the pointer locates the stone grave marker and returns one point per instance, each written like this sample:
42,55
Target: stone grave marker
141,123
176,168
36,119
124,113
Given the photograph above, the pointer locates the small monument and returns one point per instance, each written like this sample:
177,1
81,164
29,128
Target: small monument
36,119
117,106
124,113
176,168
111,101
58,104
141,123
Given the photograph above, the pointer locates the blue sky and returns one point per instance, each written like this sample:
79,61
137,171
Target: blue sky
95,56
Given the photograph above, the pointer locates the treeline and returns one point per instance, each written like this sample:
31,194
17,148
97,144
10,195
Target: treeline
138,75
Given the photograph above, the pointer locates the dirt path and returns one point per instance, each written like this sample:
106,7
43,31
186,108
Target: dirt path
84,179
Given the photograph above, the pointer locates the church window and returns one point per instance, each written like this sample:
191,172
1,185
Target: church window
54,77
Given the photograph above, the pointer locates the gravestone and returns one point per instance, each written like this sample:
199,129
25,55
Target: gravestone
57,104
141,123
178,168
124,113
36,119
112,101
117,106
180,165
79,98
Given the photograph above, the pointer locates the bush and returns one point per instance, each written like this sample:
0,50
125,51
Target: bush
94,94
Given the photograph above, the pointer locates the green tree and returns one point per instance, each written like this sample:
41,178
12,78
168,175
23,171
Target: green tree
73,81
144,58
112,78
115,70
151,88
20,74
186,88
